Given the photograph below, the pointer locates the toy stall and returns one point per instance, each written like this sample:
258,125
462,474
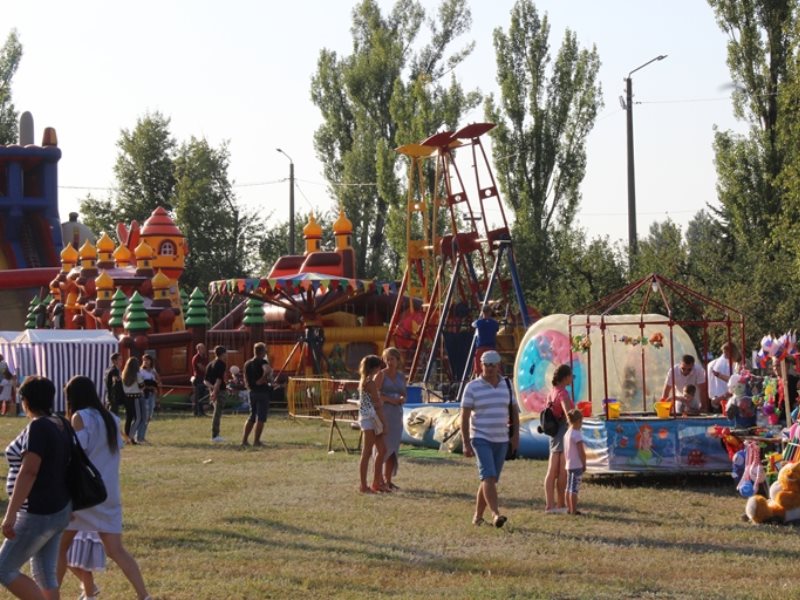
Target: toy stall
621,349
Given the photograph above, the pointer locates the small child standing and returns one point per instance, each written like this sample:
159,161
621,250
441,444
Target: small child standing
7,393
371,420
86,555
575,454
687,403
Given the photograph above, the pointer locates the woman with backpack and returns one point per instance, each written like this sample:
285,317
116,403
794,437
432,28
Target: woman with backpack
555,482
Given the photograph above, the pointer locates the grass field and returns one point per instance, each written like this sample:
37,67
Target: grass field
213,521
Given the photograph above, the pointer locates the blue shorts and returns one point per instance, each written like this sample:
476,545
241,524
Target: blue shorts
37,538
574,477
490,457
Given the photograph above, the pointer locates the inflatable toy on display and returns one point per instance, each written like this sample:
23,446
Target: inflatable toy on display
547,344
783,504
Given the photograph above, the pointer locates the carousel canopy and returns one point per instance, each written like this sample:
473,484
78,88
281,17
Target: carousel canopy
310,293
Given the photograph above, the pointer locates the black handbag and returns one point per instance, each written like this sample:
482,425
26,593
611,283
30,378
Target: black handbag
511,453
84,482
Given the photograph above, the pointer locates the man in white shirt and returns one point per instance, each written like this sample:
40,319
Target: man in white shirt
719,373
488,409
683,374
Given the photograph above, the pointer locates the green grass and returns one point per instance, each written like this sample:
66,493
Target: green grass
213,521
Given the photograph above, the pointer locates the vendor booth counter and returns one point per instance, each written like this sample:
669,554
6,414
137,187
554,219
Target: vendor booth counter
645,443
632,443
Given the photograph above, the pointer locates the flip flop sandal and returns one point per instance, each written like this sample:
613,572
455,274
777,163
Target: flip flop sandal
499,521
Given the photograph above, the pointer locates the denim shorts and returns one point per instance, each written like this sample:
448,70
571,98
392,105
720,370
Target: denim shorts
574,477
490,457
557,441
37,538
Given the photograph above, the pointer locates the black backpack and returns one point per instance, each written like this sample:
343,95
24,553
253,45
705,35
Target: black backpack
548,424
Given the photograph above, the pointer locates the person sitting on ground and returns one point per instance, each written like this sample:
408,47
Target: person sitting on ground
687,403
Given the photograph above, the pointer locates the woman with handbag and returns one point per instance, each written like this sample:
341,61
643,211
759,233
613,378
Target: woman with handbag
371,420
132,383
98,432
39,503
150,386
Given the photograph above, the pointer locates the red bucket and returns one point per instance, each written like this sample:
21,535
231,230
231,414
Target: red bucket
585,408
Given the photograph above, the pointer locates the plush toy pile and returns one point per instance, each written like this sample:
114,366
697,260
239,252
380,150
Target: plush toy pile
783,504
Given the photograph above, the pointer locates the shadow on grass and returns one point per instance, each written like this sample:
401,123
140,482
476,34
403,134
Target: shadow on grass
683,547
718,484
285,536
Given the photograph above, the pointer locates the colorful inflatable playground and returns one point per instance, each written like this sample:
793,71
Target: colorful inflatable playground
319,318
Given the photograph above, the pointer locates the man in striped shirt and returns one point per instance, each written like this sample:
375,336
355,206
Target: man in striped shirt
488,408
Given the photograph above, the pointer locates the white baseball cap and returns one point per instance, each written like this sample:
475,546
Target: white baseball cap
490,357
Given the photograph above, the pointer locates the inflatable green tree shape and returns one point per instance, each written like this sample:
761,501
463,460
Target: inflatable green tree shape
184,301
136,316
119,303
254,312
197,313
30,318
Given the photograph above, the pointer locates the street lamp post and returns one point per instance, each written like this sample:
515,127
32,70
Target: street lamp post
291,201
628,105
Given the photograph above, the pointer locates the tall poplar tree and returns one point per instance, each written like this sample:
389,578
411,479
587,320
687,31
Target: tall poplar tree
754,168
223,237
383,94
10,55
546,108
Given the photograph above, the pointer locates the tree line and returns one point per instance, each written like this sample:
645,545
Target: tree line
399,84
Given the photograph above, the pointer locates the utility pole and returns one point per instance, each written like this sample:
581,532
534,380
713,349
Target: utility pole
633,247
291,201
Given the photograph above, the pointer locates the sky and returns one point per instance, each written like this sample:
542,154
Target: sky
240,72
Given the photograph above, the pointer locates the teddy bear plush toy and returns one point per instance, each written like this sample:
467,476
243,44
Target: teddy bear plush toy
783,505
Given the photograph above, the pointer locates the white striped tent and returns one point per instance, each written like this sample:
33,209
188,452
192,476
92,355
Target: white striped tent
6,348
59,354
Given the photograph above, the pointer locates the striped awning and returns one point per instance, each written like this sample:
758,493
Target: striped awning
60,354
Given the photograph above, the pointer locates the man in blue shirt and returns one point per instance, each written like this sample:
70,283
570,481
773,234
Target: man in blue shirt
486,329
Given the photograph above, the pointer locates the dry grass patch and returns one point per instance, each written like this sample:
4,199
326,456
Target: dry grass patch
213,521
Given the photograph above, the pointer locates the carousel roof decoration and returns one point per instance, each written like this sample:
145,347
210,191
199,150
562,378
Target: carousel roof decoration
681,304
306,292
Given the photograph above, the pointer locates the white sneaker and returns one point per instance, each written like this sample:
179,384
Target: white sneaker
218,439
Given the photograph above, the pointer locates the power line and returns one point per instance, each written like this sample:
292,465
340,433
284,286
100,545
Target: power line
116,189
339,183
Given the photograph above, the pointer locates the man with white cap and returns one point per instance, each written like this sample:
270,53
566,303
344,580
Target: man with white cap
488,407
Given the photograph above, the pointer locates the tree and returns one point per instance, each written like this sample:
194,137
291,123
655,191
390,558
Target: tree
382,95
663,251
754,170
99,214
540,139
582,272
223,238
144,168
10,55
